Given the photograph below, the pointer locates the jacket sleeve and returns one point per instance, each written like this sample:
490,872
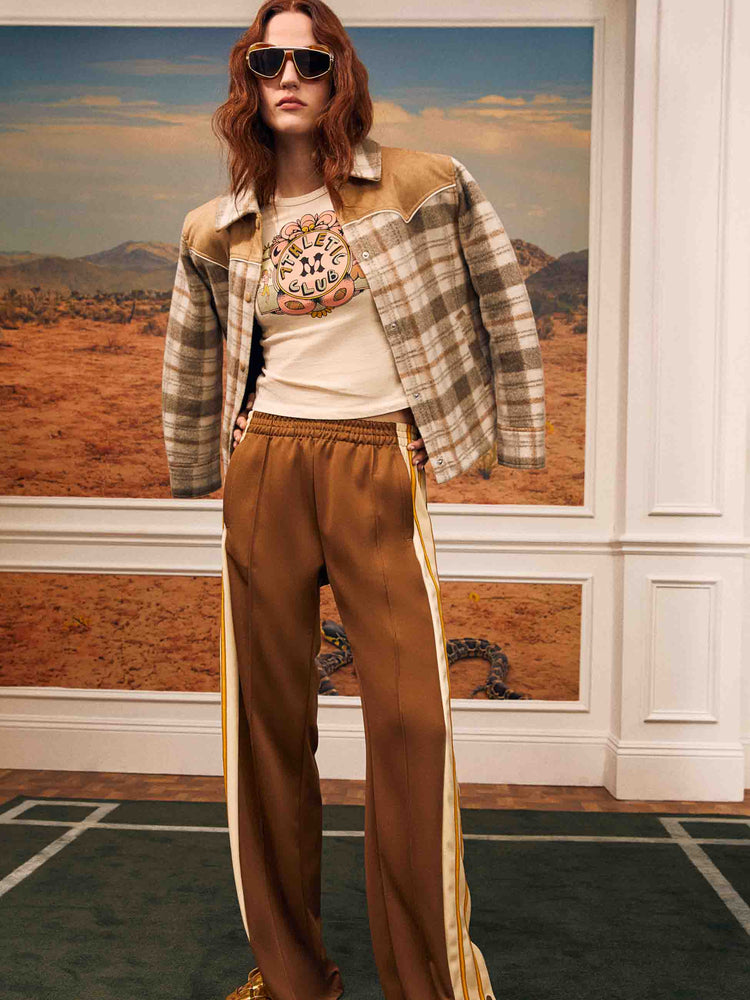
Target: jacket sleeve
192,382
508,318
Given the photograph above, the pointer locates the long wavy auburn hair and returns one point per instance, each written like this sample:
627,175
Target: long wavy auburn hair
345,120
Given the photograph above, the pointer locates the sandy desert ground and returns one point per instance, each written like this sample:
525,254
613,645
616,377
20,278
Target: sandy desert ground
82,417
160,633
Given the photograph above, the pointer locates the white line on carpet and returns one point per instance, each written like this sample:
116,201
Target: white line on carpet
678,836
718,882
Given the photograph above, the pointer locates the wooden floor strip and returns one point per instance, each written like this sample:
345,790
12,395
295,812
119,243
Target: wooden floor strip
199,788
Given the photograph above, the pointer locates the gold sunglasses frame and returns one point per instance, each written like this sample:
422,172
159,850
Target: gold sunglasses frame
289,54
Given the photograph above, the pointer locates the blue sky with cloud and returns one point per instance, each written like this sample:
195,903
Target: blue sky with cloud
105,133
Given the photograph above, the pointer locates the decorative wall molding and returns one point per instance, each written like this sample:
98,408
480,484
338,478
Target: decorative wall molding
681,679
686,475
234,13
152,540
683,645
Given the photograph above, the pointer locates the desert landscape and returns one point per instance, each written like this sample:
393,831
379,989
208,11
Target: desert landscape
80,379
81,347
161,633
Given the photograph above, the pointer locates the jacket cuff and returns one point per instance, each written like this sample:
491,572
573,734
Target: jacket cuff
521,447
188,481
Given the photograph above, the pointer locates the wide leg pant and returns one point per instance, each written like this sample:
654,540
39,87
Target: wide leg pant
308,501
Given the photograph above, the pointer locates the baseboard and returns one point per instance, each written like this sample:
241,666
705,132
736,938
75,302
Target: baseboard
687,771
177,732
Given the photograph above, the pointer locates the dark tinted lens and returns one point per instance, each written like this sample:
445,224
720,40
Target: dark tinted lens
267,62
311,63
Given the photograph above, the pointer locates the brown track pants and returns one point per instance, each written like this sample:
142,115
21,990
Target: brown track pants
307,502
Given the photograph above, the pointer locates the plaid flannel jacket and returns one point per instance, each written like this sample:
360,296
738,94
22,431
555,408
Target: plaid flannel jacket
447,286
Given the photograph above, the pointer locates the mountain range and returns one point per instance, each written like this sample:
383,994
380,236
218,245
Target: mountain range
128,266
151,266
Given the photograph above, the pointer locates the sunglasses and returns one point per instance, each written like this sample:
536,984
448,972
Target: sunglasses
268,60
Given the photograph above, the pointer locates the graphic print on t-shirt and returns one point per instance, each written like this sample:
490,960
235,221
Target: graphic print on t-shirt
308,268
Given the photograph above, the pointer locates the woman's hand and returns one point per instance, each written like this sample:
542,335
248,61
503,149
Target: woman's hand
420,457
241,421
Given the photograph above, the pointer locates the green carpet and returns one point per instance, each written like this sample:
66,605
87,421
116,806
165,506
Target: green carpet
636,912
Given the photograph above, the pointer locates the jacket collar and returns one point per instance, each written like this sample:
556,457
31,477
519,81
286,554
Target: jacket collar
367,165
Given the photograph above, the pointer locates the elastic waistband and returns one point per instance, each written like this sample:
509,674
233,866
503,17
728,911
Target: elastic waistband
358,429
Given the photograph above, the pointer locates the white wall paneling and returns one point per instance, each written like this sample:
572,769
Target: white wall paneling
678,719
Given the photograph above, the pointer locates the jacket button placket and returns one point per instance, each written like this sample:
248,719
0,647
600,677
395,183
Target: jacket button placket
365,255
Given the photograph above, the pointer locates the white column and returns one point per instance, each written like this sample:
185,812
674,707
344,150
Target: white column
679,710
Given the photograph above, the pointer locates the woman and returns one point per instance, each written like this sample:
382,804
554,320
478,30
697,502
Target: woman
361,291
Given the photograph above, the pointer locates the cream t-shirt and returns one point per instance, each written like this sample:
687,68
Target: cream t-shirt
325,350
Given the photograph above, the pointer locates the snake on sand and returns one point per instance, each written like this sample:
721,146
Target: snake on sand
457,649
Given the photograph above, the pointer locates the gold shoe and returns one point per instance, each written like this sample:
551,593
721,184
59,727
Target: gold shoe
253,989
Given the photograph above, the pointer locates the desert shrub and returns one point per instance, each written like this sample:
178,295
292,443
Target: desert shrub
9,316
154,327
544,327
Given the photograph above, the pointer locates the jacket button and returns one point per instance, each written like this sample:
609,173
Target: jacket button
243,368
394,326
416,395
365,254
440,461
248,296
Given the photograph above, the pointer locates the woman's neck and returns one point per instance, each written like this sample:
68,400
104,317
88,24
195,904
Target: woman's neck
295,172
